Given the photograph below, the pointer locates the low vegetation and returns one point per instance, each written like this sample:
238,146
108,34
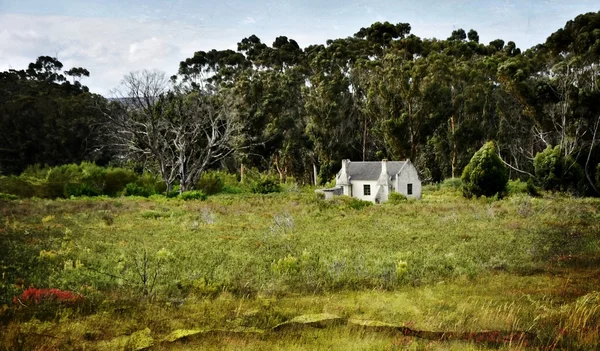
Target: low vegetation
95,272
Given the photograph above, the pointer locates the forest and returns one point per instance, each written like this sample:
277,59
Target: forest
296,112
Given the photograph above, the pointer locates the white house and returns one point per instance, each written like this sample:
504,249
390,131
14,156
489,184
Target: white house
374,181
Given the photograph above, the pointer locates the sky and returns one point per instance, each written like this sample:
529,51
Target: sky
111,38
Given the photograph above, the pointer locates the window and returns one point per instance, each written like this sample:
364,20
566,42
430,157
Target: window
408,189
366,189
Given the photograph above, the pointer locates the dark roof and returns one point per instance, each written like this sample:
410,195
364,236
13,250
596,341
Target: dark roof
372,170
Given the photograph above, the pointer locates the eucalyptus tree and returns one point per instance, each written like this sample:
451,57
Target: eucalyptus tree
45,119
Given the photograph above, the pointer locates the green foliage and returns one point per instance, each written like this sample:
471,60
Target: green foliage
115,180
4,196
554,171
85,179
485,175
193,195
133,189
355,203
266,185
396,198
452,183
210,183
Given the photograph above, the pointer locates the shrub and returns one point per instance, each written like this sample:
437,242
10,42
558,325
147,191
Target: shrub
133,189
210,183
4,196
37,296
59,177
485,175
153,182
451,183
356,204
81,189
115,180
193,195
396,198
265,186
555,172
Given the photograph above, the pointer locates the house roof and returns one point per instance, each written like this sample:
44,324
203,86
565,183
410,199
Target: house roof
372,170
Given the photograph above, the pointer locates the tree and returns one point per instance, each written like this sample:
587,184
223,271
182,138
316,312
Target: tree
458,35
45,119
181,133
473,36
485,175
557,172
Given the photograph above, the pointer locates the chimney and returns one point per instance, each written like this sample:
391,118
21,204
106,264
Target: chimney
343,178
383,177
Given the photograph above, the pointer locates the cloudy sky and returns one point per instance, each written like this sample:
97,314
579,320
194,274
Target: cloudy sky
111,38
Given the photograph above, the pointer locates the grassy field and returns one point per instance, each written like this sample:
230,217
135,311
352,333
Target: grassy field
232,270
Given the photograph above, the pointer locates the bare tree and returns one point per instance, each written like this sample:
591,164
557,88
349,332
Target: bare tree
182,133
205,129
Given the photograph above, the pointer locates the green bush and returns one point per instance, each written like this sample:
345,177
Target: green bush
485,175
451,183
115,180
358,204
81,189
516,187
59,178
23,187
193,195
4,196
265,186
555,172
133,189
396,198
154,182
210,183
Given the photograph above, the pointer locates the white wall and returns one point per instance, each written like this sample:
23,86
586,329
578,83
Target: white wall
358,189
409,175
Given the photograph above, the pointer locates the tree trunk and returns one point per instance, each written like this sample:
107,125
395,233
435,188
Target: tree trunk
453,128
241,173
454,152
587,174
315,173
364,146
278,169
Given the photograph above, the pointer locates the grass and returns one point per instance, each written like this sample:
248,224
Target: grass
254,261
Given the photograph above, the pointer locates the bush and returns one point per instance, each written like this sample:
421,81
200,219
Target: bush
353,203
23,187
396,198
210,183
485,175
4,196
133,189
451,183
555,172
266,186
193,195
81,190
115,180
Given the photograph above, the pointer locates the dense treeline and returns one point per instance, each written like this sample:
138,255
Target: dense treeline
382,93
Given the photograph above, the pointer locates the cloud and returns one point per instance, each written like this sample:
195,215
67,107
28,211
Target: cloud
108,48
249,20
150,50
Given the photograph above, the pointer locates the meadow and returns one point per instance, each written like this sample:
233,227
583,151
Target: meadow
291,271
